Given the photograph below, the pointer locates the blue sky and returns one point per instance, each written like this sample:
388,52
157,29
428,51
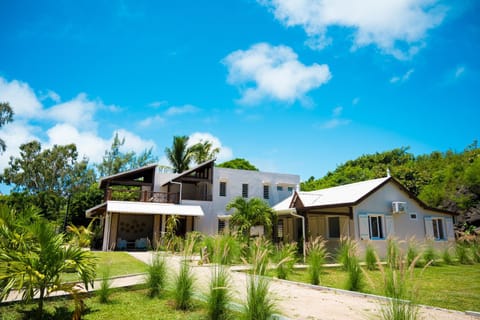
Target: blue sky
292,86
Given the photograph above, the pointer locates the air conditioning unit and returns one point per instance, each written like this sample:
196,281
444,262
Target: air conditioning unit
399,207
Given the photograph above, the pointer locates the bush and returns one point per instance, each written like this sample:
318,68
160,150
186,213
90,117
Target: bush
463,253
316,255
105,289
156,276
346,251
370,257
219,297
412,251
447,256
285,258
355,275
184,287
429,255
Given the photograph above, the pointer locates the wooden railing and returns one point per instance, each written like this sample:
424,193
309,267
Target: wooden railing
142,196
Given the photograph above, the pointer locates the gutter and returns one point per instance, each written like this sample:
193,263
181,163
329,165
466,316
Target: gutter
293,213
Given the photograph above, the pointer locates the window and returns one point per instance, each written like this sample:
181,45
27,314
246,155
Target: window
413,216
279,188
290,189
245,190
334,227
266,191
221,226
223,189
280,229
438,233
375,225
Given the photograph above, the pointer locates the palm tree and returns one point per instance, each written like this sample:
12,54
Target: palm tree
180,155
250,212
204,151
33,257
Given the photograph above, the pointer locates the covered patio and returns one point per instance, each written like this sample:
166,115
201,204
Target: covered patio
138,225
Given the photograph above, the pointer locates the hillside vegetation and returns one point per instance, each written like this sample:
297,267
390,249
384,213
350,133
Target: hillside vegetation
447,180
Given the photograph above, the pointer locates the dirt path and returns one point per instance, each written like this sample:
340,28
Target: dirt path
299,301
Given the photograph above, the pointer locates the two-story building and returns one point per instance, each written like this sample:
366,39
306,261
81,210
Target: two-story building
137,203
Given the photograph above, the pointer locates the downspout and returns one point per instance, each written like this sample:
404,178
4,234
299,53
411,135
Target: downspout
293,212
180,197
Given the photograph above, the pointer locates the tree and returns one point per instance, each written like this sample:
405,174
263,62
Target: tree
204,151
6,116
251,212
46,177
238,163
179,155
33,257
115,161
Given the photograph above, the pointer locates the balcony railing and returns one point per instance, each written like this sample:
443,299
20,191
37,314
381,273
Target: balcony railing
142,196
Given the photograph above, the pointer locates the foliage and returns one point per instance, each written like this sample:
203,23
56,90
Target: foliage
430,256
251,212
399,286
285,258
33,257
412,251
179,155
183,292
346,251
105,289
6,116
204,151
355,280
219,296
82,236
222,248
463,253
156,275
316,256
46,177
259,304
115,161
447,256
448,180
393,253
370,257
238,163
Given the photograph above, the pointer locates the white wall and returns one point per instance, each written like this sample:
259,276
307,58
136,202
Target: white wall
404,227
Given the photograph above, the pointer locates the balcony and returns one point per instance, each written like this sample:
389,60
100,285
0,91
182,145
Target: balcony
142,196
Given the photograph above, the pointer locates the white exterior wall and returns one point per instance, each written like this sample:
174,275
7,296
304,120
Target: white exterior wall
403,227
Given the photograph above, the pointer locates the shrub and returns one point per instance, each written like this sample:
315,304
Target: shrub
399,286
463,253
260,305
285,258
429,255
259,254
346,251
393,253
447,256
355,275
156,276
219,297
316,255
412,251
183,287
370,257
105,289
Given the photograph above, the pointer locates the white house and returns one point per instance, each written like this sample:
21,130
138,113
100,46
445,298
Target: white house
197,196
368,211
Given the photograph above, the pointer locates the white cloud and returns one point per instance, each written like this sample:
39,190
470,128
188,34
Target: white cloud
225,152
87,142
155,120
355,101
337,111
386,24
402,78
15,134
133,142
333,123
78,111
21,98
273,72
178,110
459,71
157,104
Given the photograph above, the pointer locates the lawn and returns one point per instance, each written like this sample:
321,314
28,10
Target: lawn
118,263
126,304
448,286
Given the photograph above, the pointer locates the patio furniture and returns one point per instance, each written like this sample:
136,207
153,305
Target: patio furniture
121,244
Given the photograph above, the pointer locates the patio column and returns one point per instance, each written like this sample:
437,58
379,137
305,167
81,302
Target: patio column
156,230
106,231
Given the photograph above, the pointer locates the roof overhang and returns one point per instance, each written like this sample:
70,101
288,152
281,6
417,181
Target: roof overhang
149,208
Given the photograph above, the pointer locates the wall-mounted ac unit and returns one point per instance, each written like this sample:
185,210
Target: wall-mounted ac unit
399,207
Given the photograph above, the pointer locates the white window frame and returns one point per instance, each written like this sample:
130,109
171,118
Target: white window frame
439,222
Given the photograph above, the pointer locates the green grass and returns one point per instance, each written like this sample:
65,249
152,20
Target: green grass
118,263
448,286
125,304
